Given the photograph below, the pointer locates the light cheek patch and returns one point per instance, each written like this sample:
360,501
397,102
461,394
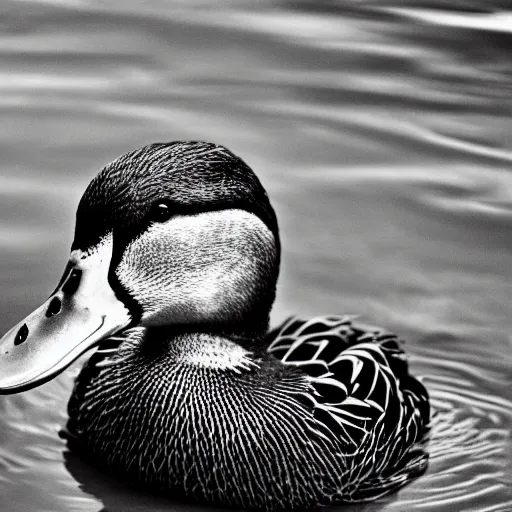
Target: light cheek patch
198,267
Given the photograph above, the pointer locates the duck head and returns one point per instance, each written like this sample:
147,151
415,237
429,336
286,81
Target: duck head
173,235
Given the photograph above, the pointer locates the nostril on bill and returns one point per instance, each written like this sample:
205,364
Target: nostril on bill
22,335
72,282
54,307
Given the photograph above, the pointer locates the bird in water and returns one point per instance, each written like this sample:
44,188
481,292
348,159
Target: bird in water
172,276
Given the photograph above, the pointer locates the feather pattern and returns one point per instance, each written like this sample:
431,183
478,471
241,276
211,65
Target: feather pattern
364,394
326,412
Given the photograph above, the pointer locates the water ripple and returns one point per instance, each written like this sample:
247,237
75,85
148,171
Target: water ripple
469,440
493,22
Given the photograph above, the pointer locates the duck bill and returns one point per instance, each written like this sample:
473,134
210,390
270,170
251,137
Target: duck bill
82,312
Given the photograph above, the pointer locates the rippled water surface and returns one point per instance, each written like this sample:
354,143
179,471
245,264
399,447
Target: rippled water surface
382,131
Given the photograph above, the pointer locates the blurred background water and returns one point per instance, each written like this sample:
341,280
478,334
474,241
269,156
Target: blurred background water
382,131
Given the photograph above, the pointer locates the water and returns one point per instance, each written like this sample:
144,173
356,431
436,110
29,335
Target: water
382,131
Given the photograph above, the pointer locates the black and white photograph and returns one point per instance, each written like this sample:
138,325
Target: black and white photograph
256,255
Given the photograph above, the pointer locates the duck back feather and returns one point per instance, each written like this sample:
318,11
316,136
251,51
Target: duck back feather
364,394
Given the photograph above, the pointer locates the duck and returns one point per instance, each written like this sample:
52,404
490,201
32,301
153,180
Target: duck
171,279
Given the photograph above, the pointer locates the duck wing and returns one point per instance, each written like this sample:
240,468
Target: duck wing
363,392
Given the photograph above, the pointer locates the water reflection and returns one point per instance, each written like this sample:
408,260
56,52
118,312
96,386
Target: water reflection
384,138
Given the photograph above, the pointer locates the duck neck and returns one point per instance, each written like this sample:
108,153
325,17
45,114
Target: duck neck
250,332
204,350
245,318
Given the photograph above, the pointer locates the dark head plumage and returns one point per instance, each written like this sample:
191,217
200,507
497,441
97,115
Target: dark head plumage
192,176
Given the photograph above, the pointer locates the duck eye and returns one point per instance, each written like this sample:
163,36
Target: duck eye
160,212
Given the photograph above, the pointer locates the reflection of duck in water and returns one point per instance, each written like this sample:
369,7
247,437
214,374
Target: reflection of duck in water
173,273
